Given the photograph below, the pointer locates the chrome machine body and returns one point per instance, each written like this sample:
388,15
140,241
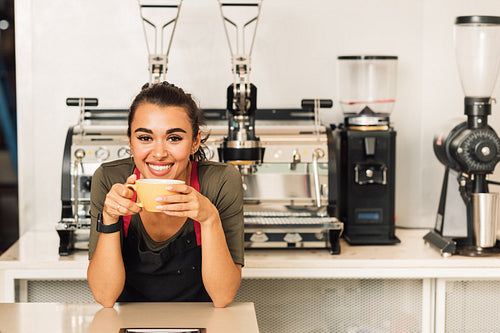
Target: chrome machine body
99,136
287,199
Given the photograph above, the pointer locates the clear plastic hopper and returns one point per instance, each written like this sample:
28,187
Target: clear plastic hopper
477,46
367,85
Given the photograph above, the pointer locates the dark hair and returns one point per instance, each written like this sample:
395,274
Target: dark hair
166,94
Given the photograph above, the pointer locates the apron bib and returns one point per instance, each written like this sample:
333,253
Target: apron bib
172,274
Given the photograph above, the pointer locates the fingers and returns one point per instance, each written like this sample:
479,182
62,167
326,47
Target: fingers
179,207
118,203
179,188
131,179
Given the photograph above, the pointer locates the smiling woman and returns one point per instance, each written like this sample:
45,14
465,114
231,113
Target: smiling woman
162,151
139,255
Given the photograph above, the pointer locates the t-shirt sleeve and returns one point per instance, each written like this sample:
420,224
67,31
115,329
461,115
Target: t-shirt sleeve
229,203
98,192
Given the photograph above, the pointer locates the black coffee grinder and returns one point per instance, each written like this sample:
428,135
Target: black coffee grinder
365,148
467,213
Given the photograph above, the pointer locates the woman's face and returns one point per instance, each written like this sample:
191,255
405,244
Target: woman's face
161,140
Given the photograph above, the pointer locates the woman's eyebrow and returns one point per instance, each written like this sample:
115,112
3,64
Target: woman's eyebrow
176,129
170,130
141,129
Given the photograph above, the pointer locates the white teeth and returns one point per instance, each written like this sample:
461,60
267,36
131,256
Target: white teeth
159,167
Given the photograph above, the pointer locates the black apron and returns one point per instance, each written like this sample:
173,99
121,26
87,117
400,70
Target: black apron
172,274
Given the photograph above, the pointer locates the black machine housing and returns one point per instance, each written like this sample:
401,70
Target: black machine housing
365,177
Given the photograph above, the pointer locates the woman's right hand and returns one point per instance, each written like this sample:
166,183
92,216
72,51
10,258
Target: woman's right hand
118,202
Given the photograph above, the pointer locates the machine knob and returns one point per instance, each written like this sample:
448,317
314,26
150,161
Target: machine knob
476,150
485,151
369,173
80,153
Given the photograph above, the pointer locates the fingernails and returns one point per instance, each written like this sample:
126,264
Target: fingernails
170,188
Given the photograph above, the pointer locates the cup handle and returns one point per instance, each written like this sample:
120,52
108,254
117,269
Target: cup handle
133,187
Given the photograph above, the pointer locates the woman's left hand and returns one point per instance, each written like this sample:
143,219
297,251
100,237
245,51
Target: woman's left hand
188,203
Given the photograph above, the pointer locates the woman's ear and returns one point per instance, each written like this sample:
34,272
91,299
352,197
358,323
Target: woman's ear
196,143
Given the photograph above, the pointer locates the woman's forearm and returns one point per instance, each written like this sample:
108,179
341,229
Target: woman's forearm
106,273
221,276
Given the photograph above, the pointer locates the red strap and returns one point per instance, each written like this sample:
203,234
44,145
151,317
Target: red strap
127,218
194,183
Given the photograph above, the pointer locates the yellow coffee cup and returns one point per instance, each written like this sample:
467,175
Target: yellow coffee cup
150,189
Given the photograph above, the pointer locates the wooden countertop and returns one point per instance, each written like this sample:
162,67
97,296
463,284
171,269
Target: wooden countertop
92,318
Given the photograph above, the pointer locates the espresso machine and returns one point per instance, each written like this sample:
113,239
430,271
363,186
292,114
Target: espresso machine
101,134
365,148
467,213
282,154
289,195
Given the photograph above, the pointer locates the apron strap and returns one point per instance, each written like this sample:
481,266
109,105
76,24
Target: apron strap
127,218
194,183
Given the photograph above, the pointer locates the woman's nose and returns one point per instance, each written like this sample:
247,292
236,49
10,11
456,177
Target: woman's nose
160,150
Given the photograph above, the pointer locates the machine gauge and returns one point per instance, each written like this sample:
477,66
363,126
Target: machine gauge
123,152
102,154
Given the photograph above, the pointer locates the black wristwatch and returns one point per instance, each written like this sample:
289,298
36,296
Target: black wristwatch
108,228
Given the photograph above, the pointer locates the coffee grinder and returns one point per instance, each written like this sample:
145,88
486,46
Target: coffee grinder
241,147
467,213
365,147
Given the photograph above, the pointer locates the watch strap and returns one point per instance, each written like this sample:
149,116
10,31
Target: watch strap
108,228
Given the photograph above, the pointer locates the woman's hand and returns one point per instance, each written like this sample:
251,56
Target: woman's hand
187,203
118,202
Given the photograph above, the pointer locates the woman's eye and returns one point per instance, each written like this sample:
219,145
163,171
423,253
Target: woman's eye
174,138
144,138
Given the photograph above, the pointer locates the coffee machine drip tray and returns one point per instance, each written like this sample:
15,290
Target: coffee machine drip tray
269,229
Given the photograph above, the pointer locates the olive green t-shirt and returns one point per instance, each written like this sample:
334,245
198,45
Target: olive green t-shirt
219,182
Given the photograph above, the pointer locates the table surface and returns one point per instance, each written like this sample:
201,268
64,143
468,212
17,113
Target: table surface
69,318
412,258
